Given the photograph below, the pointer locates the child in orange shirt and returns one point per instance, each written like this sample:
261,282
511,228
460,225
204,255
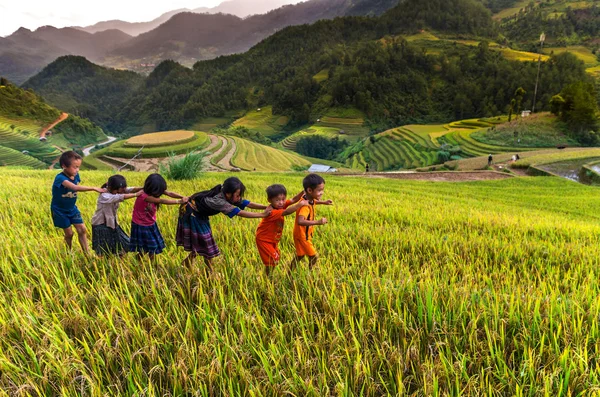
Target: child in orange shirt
270,228
314,186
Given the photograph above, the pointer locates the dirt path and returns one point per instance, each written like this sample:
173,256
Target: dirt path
442,176
63,116
225,162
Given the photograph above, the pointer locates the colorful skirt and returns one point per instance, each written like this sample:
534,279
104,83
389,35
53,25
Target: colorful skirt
146,239
195,235
107,241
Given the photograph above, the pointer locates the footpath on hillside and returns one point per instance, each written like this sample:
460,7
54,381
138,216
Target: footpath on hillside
63,116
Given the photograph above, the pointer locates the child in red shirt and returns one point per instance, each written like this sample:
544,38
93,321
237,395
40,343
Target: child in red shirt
269,231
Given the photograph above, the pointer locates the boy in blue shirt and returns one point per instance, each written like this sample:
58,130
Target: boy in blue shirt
64,197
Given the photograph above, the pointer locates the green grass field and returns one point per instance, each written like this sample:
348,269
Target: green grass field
209,123
263,121
421,289
321,76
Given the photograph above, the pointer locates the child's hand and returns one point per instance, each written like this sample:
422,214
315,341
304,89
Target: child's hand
100,190
303,203
139,193
328,202
267,211
323,221
184,200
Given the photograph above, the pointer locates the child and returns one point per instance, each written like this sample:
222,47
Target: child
193,228
145,235
64,198
269,231
314,186
107,235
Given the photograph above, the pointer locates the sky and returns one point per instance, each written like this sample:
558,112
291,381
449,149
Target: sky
32,14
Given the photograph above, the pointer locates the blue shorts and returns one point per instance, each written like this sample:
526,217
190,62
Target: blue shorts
65,218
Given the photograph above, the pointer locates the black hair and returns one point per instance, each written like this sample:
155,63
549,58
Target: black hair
115,182
155,185
67,158
276,190
233,184
311,181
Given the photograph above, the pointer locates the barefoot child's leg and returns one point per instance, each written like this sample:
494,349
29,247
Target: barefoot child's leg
82,236
68,236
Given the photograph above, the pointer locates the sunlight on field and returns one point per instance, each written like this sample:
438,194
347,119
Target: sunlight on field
419,287
160,138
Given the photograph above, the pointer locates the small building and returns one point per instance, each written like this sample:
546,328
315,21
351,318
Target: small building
43,139
526,113
321,168
342,132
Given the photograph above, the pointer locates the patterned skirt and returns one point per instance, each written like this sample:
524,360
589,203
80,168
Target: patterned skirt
195,235
107,241
146,239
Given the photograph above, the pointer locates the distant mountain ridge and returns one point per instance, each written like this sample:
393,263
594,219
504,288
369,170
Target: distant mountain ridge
185,37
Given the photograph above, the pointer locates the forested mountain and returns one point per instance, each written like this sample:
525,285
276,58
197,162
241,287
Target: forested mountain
368,64
76,85
239,8
188,37
24,53
571,26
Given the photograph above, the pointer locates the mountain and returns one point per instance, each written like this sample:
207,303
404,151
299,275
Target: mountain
133,28
188,37
77,86
25,53
239,8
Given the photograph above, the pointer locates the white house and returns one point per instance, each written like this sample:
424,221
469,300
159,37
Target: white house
526,113
321,168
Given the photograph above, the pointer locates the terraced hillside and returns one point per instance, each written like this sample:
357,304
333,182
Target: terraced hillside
21,136
414,146
251,156
314,130
262,121
11,157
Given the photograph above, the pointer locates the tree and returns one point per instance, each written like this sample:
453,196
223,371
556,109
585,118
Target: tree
519,93
577,106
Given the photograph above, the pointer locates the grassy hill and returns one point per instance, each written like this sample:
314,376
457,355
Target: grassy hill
23,115
446,288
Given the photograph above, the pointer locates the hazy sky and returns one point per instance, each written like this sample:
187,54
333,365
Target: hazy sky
32,14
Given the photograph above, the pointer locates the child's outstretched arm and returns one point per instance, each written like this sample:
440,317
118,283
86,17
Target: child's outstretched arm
174,195
157,200
303,222
128,196
80,188
295,207
256,206
248,214
134,189
327,202
298,197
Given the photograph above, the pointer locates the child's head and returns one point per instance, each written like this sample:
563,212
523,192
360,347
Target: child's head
233,189
116,184
276,195
70,163
314,186
155,185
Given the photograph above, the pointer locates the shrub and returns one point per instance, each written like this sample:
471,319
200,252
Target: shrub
185,168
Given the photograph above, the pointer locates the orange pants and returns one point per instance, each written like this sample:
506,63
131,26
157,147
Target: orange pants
304,247
269,252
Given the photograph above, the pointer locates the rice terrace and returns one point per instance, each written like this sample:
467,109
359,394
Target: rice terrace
300,198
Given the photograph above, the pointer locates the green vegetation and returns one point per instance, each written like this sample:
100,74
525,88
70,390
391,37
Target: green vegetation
11,157
446,288
314,130
577,107
209,123
263,121
556,156
79,87
186,168
250,156
538,130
